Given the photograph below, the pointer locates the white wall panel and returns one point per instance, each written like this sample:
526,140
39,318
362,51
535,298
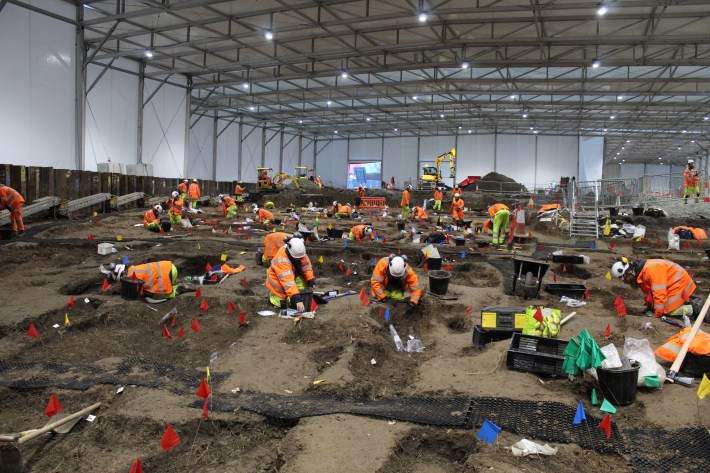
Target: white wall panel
332,162
630,171
369,149
307,153
557,156
251,152
227,151
400,161
591,158
110,131
201,140
271,159
164,131
515,157
37,94
290,159
475,155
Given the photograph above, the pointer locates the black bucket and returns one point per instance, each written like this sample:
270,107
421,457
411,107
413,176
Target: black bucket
306,297
131,288
439,282
433,263
166,226
460,241
400,225
613,212
637,211
619,384
276,221
6,233
335,233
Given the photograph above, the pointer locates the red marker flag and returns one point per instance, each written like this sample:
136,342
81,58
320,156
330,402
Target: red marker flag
195,326
208,267
612,244
586,294
448,267
554,278
685,296
204,390
658,242
166,332
54,407
349,272
468,310
70,304
687,245
381,315
363,298
32,331
244,282
106,286
91,237
230,307
242,318
204,305
340,267
136,468
542,247
314,306
181,332
198,293
205,411
170,439
174,320
538,315
606,425
607,331
620,306
564,268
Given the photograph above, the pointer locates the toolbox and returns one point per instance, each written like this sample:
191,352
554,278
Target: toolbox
502,318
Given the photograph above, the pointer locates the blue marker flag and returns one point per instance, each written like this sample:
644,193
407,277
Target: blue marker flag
593,246
580,415
345,243
489,432
387,315
125,260
463,254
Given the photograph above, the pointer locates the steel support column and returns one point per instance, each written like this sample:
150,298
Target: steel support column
263,145
239,149
188,117
300,149
215,123
79,89
281,151
141,91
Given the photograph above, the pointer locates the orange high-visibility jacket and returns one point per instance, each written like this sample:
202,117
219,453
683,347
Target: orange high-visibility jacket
405,198
698,233
380,280
361,192
229,202
176,206
281,275
238,190
263,215
419,213
699,346
182,187
194,191
690,178
547,207
495,208
359,232
346,209
149,217
156,276
10,198
438,195
273,243
665,282
457,208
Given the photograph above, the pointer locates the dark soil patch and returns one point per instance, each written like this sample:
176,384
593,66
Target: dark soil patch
392,373
476,275
326,356
459,323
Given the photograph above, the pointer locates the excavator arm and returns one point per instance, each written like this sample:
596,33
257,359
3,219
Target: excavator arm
451,156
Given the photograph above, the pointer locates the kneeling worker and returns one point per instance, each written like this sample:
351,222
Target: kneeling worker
418,213
229,206
500,217
159,279
391,278
360,232
263,215
666,286
290,272
272,244
151,219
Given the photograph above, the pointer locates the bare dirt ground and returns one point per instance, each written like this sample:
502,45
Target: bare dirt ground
272,355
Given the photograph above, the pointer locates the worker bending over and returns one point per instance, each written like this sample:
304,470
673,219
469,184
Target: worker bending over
229,206
194,192
500,217
11,200
404,204
667,287
182,188
263,215
340,210
151,219
360,232
691,182
176,208
418,213
159,279
393,277
438,196
272,244
239,192
457,206
290,272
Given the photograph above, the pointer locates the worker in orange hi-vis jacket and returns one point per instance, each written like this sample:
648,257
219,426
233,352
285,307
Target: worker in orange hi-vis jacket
12,200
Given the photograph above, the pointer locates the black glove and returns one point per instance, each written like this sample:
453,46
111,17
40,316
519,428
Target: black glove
410,309
312,283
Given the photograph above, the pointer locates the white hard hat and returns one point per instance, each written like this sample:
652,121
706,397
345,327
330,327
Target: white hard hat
690,161
256,209
335,202
409,186
194,180
158,209
175,194
368,230
618,269
296,248
186,180
397,266
457,195
413,209
221,196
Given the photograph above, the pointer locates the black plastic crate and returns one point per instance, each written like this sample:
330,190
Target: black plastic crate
484,336
575,291
540,345
502,318
569,259
535,362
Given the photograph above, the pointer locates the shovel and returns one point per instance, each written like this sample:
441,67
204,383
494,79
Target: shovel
10,455
672,375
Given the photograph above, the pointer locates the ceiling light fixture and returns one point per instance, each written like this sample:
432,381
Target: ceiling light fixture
415,97
612,117
441,115
596,64
335,131
706,118
396,129
245,85
525,114
513,96
469,131
251,108
344,75
620,97
300,121
148,53
603,10
684,131
465,65
329,102
606,129
268,34
422,17
368,119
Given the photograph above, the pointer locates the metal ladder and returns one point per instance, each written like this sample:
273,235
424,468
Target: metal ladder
583,222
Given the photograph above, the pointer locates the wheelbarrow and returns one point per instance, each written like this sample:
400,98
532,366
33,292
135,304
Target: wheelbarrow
527,276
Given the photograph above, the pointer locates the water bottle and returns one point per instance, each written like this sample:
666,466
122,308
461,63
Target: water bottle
395,336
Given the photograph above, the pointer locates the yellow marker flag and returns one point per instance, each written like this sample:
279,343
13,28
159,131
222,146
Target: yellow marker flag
319,381
704,388
223,257
229,230
95,214
330,227
119,238
199,247
208,374
608,276
426,254
320,259
66,320
242,252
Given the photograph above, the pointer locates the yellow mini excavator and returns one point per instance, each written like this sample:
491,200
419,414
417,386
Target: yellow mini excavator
431,175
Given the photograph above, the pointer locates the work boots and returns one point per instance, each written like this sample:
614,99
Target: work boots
697,304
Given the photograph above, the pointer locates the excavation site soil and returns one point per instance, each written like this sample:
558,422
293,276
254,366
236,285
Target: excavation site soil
343,356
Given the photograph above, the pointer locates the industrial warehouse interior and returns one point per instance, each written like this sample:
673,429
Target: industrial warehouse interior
353,235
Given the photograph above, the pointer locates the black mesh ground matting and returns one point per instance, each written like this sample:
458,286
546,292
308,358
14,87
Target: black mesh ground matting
669,450
129,371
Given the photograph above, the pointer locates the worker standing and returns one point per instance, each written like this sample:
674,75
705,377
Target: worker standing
151,219
272,244
418,213
359,196
667,287
239,192
404,204
500,216
393,277
360,232
229,206
263,215
457,206
438,196
11,200
289,273
319,182
176,208
691,182
194,192
182,188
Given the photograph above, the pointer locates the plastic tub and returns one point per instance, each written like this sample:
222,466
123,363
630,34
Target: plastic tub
576,291
569,259
439,282
637,211
105,248
619,384
131,288
483,336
